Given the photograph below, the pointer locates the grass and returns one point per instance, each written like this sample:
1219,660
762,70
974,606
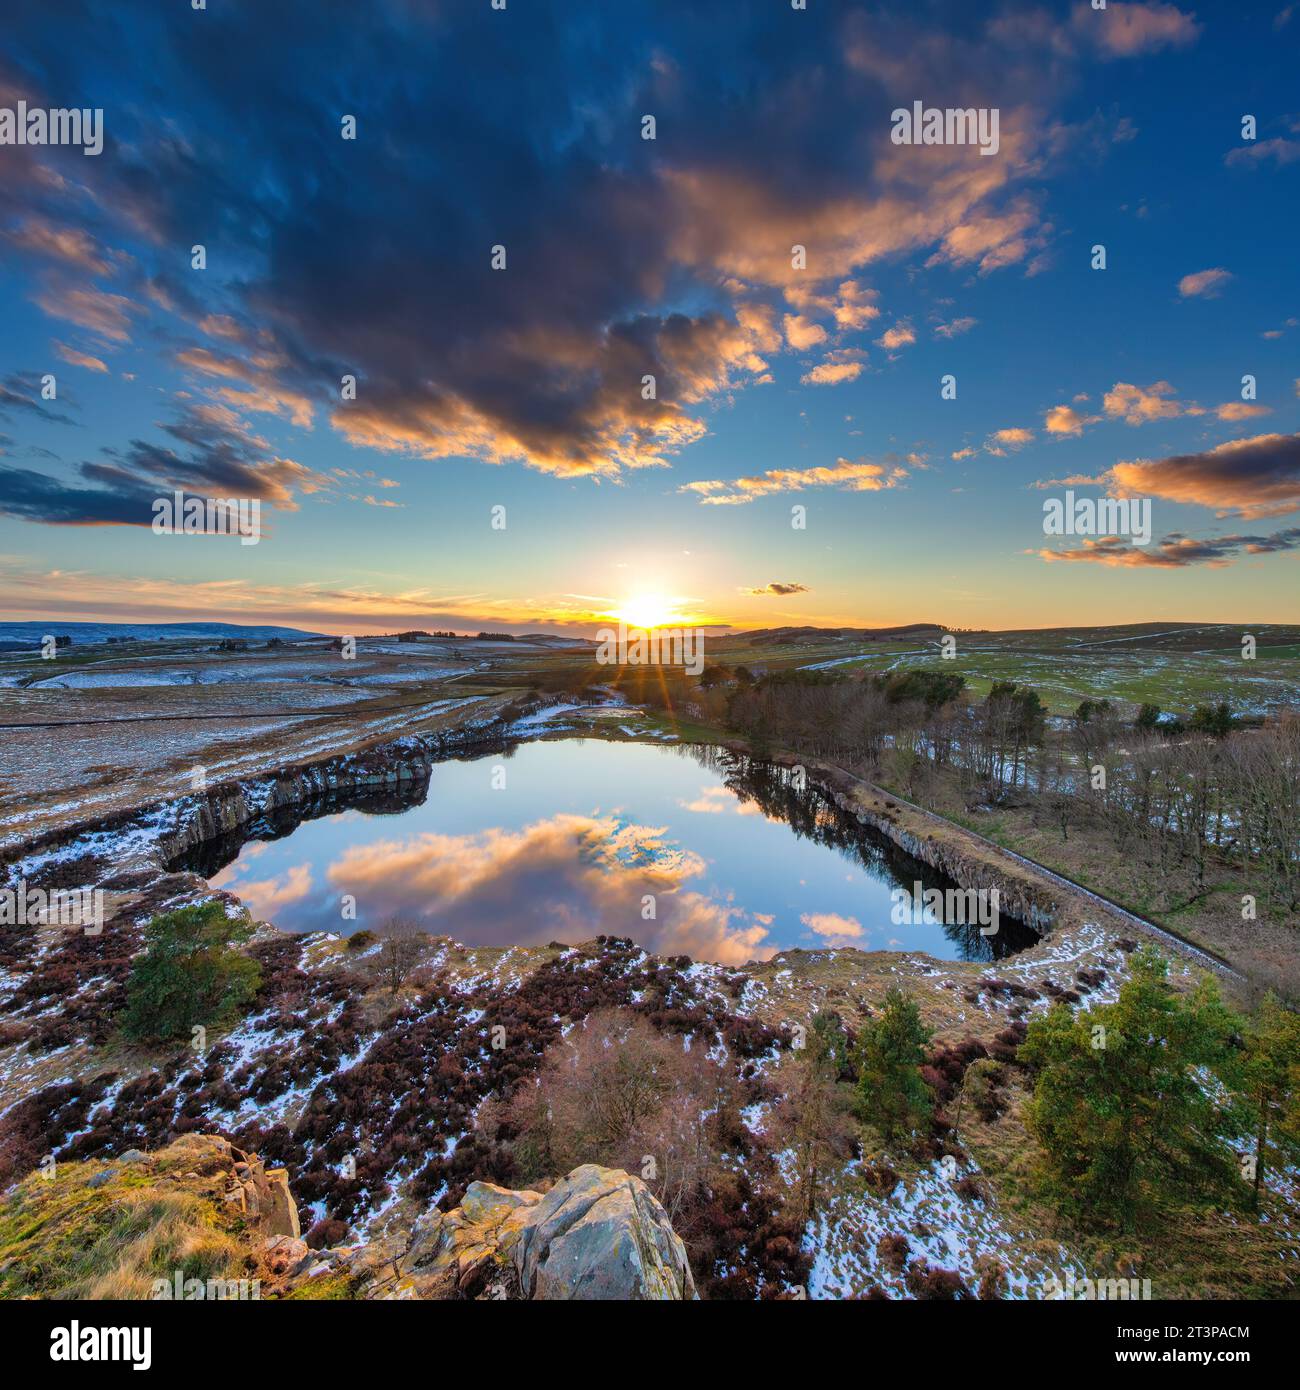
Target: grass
64,1238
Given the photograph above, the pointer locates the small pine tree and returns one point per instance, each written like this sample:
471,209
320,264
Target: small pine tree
1268,1082
1148,718
892,1096
1125,1106
188,974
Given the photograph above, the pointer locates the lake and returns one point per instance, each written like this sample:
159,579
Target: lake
688,851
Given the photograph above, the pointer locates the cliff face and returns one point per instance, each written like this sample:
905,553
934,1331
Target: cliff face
134,849
964,858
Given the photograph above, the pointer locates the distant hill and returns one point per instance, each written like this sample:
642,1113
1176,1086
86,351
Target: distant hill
820,634
26,636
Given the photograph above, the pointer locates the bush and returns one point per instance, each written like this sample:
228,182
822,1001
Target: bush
188,975
893,1094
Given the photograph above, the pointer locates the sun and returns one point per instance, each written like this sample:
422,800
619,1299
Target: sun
647,611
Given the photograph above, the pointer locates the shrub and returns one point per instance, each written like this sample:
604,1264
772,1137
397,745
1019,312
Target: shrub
188,974
893,1095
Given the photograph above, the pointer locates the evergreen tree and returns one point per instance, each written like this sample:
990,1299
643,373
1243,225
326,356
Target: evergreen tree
1268,1083
189,974
1126,1105
892,1095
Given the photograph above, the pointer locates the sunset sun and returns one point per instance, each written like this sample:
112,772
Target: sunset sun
647,611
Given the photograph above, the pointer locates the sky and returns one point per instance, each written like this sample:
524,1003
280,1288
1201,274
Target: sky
456,207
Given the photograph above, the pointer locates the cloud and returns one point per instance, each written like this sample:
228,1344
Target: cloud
1139,405
846,364
993,240
1208,284
835,928
566,877
780,589
1007,441
1241,410
955,328
900,335
67,245
22,392
80,359
1126,30
218,457
108,315
801,333
1176,551
1254,477
1253,153
1066,422
851,476
622,262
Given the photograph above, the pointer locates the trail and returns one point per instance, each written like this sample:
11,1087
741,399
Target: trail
1208,958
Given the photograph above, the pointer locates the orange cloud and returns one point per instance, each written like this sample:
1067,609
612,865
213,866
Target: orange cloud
569,877
1206,283
859,476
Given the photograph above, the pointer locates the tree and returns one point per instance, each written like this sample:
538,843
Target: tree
892,1095
1215,720
189,974
813,1120
1121,1104
1148,718
400,944
828,1045
1269,1085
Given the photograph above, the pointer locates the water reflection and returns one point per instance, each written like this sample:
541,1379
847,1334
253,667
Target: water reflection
688,851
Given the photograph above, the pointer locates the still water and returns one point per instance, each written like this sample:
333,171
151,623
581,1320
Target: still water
685,850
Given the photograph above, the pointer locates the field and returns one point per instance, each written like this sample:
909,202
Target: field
100,728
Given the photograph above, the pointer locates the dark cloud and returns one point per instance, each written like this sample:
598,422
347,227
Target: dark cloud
1176,551
21,394
218,458
626,258
779,589
1254,477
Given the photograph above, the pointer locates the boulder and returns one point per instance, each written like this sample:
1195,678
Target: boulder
466,1246
258,1193
601,1234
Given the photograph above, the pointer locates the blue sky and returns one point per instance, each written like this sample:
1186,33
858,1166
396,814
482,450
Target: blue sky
627,257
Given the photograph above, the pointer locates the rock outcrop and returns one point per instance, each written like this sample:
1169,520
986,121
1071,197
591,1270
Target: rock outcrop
259,1194
601,1234
597,1234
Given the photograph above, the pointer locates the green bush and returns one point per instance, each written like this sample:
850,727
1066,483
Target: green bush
892,1094
188,974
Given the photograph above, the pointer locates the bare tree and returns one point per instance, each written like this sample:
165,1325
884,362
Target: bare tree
401,942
